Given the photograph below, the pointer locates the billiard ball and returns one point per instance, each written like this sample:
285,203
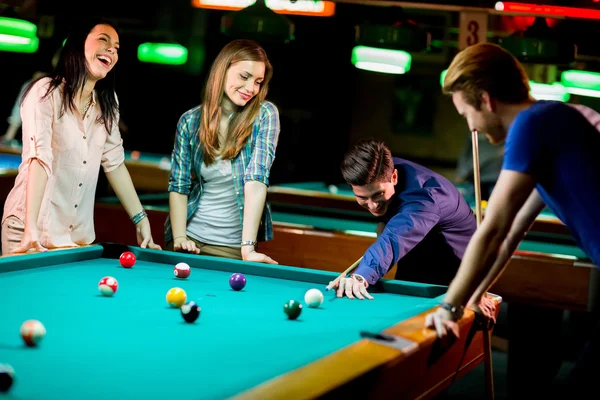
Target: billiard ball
333,189
237,281
108,286
176,297
7,376
32,332
182,270
292,309
190,311
313,298
127,259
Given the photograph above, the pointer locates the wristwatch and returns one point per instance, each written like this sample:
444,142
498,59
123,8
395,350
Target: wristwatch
457,312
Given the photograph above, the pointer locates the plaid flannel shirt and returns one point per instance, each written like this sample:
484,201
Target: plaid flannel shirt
253,163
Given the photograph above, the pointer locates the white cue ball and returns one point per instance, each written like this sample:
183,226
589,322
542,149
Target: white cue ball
333,189
313,298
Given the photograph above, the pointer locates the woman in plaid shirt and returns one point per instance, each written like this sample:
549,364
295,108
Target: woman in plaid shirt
224,149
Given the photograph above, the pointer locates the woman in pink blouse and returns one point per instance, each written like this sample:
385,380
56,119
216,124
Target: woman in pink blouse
70,129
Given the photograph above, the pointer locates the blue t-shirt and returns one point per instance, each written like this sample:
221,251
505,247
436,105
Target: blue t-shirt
559,145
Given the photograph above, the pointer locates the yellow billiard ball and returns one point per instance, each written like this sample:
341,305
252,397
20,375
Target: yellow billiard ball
176,297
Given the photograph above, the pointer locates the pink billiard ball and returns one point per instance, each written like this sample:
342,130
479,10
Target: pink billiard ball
108,286
127,259
182,270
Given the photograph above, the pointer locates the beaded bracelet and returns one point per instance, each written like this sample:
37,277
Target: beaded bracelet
138,217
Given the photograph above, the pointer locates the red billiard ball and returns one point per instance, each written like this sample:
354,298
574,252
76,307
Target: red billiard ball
182,270
127,259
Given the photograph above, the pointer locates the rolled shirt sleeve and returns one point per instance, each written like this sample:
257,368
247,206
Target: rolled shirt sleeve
113,154
37,115
265,145
417,215
180,179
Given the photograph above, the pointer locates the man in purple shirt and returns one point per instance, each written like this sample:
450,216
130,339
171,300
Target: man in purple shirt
424,222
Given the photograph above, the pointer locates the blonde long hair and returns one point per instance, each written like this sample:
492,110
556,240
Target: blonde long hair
240,126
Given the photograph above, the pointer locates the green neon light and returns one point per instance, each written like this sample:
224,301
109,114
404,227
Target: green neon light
162,53
18,44
381,60
17,27
442,76
582,83
554,91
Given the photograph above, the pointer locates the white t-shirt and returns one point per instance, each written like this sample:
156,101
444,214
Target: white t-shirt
217,219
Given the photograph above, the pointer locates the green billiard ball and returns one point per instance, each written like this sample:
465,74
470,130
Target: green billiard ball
293,309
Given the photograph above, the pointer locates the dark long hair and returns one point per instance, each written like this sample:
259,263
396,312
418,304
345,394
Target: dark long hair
73,71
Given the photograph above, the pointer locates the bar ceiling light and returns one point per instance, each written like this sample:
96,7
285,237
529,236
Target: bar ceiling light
162,53
17,35
381,60
583,83
313,8
554,11
17,27
554,91
18,44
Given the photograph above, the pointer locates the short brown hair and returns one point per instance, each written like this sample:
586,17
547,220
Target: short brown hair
487,67
367,162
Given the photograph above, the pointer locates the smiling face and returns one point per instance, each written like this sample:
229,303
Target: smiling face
243,80
483,120
377,196
101,51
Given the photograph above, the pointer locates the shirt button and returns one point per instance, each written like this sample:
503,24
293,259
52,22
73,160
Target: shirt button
85,137
241,208
75,205
32,138
71,227
85,162
237,192
80,184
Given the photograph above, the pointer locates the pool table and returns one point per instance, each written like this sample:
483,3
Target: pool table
133,345
149,172
315,197
543,273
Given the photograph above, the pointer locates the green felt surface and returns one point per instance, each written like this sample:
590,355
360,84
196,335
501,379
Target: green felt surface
133,345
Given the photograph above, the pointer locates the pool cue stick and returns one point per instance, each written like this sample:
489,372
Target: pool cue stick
487,344
343,274
476,176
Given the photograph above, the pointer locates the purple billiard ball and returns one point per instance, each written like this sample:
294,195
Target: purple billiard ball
237,281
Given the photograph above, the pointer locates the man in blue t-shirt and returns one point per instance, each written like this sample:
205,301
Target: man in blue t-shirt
424,224
551,158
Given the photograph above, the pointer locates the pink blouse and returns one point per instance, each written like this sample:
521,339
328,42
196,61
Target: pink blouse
71,150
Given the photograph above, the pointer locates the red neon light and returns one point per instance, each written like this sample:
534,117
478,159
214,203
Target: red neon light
558,11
